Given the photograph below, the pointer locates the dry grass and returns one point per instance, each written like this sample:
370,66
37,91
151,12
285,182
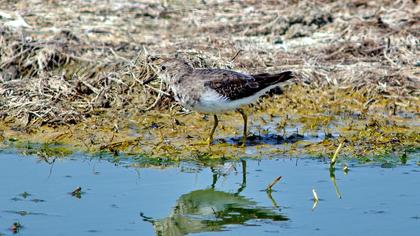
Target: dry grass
53,81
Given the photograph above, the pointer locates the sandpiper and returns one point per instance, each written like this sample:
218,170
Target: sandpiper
215,90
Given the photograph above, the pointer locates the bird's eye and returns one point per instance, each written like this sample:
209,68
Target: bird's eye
163,67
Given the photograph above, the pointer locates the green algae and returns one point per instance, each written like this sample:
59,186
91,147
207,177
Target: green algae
288,125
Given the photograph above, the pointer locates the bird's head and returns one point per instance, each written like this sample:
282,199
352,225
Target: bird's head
170,70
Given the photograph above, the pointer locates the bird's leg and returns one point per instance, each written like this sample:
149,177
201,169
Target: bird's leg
245,117
216,122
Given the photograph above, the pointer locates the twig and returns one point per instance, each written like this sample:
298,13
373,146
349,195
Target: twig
13,58
315,195
116,55
270,186
91,87
157,99
316,199
236,55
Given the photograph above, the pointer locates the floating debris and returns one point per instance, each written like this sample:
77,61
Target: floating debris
25,194
77,192
346,169
16,227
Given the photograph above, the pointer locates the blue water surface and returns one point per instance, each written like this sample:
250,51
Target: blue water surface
224,198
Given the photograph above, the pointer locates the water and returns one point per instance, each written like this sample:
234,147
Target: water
141,198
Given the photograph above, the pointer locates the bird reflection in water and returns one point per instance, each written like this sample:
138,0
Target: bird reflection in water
209,209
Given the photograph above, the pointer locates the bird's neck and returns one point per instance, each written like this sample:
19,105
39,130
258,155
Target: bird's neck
178,76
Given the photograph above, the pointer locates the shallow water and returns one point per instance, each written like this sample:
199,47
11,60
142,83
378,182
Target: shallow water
142,198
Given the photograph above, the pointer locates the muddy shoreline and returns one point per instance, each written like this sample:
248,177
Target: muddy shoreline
72,78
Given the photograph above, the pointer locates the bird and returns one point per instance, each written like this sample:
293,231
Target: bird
214,90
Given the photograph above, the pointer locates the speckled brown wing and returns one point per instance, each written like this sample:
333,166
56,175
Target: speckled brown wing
233,85
270,79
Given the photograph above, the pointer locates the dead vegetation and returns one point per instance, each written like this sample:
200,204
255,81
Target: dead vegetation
53,82
63,62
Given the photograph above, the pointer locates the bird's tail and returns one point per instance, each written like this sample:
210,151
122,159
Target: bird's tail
270,79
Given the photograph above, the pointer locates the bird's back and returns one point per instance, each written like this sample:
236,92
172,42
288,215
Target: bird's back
234,85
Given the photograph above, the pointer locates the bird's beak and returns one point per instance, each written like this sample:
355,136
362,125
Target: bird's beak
150,79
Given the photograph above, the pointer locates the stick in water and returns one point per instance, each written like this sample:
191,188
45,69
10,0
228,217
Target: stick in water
334,158
316,199
270,186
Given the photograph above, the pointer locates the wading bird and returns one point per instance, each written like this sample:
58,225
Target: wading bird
215,91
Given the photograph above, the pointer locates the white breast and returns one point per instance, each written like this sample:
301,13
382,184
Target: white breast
212,102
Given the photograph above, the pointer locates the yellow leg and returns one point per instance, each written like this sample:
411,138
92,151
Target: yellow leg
245,117
210,138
